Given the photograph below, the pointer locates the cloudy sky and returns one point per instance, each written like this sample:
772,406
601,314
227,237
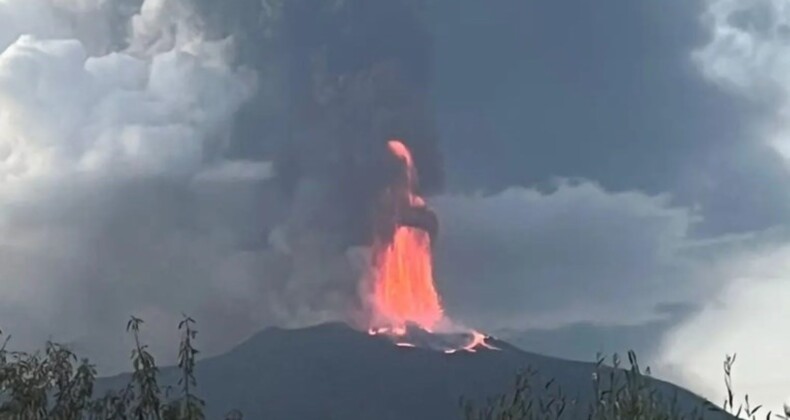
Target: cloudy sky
614,177
617,179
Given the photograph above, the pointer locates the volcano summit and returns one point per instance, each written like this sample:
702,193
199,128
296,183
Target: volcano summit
332,371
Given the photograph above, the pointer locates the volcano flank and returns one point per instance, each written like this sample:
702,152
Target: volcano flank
332,371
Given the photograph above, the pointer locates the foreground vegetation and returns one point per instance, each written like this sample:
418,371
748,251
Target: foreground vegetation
55,384
618,394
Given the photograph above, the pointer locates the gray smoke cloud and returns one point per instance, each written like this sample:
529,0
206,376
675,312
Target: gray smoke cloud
162,156
116,197
746,54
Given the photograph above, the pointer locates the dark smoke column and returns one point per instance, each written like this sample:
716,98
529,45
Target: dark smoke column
338,79
360,73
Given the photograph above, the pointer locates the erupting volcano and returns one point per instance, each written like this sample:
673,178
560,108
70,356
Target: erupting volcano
405,302
405,291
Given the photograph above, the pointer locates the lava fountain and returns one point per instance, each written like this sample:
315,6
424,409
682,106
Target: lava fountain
404,291
405,302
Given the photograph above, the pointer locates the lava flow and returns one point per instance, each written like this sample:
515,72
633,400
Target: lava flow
405,302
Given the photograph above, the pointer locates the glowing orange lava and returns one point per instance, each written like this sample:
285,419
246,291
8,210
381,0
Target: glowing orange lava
478,340
404,290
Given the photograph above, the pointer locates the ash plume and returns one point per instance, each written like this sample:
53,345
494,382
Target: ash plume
218,158
341,79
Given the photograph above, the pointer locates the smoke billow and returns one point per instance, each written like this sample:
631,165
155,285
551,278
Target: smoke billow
219,158
341,79
745,54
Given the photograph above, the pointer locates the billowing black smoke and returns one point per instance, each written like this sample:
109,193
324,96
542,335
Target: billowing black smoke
339,79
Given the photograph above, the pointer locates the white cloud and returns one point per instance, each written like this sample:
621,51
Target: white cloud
580,254
62,112
748,318
523,258
748,54
99,214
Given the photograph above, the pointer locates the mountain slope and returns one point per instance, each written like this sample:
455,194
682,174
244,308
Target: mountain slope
334,372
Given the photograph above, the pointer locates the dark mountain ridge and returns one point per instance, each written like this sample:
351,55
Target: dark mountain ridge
332,371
